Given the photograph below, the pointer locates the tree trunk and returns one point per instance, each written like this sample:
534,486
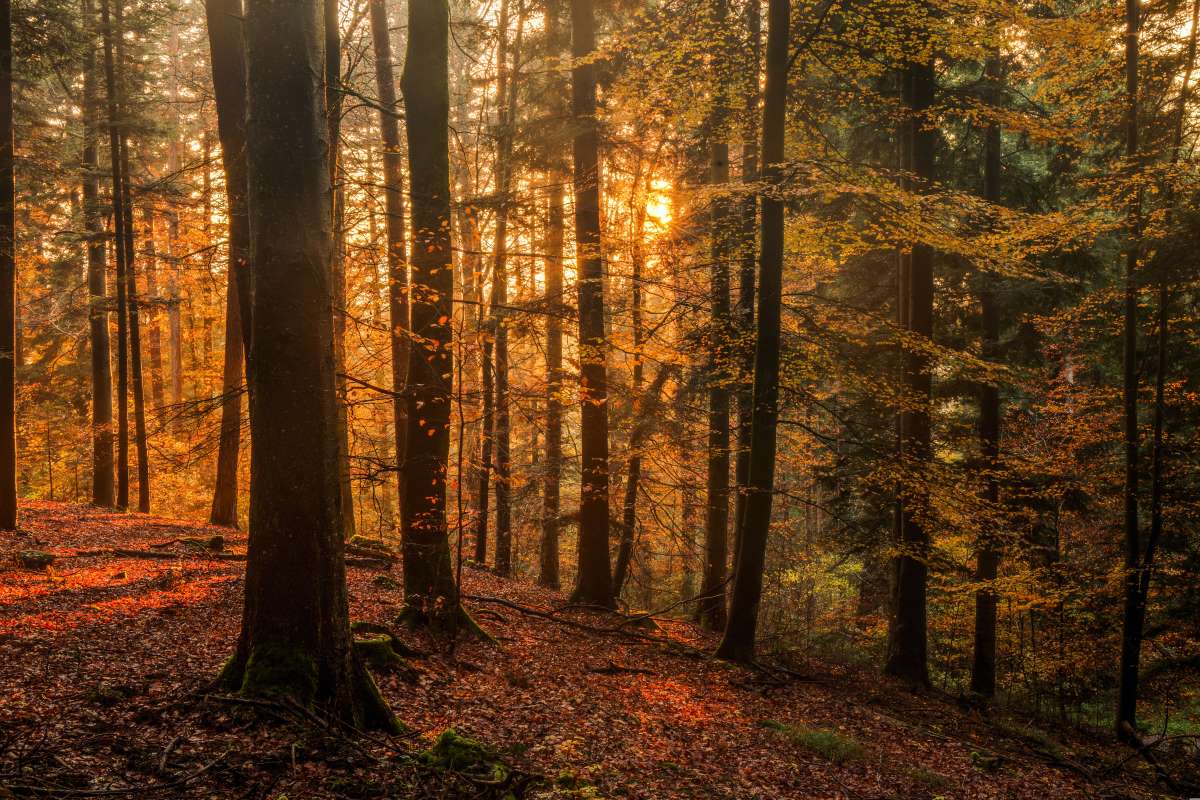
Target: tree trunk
745,301
154,336
907,643
227,45
8,282
506,91
429,587
716,521
738,642
135,326
486,428
103,491
112,92
983,667
295,638
393,195
594,582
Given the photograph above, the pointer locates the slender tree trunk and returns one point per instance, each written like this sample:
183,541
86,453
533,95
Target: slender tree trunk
716,526
333,110
393,195
103,491
506,90
429,586
154,336
594,581
8,282
983,667
744,313
907,642
295,638
227,45
118,209
738,641
135,326
486,427
1134,613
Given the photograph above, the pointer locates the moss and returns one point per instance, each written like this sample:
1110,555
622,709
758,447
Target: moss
385,582
828,744
927,778
34,559
413,616
457,753
378,652
373,710
275,670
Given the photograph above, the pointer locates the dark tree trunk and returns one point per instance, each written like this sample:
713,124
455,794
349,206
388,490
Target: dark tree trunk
393,195
983,667
103,491
486,425
907,643
295,638
135,325
745,301
112,93
738,642
337,261
711,607
548,572
227,45
428,577
8,282
594,582
506,91
154,336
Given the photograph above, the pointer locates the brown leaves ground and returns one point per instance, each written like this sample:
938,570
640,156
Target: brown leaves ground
103,661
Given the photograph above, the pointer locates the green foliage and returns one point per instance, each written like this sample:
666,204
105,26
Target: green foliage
456,753
830,745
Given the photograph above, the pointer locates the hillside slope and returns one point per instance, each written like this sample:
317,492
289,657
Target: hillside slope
104,655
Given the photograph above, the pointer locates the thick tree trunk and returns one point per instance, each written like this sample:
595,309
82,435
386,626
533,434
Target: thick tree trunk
429,586
738,641
393,195
227,45
295,638
594,581
103,490
112,92
983,667
907,643
8,283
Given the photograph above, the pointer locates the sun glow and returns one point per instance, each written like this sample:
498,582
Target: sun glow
658,203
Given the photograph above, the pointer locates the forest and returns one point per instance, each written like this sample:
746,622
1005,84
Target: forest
513,399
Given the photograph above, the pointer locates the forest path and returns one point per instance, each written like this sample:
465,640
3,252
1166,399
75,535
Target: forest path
100,657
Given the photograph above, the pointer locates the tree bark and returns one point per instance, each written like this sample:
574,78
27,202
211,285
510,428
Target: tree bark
737,644
594,581
295,639
429,586
103,490
8,282
112,92
135,325
907,642
227,45
154,336
393,195
983,667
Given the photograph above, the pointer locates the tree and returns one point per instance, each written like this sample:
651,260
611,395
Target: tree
8,282
227,48
393,193
737,643
430,591
133,307
103,491
907,633
594,581
295,639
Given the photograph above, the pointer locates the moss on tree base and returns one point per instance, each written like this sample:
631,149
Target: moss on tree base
415,617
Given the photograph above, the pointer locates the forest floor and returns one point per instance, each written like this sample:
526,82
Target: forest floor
104,660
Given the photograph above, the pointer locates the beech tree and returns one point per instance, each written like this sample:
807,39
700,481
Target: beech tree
8,285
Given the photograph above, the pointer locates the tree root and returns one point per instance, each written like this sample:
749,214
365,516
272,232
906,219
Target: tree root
458,620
